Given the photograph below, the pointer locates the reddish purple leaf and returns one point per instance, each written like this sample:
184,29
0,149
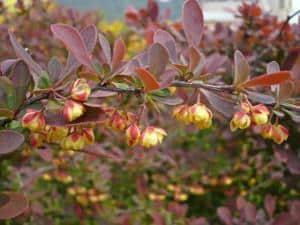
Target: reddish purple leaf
73,40
241,68
158,58
106,49
22,54
118,53
89,36
270,205
148,79
192,19
224,215
196,61
165,39
153,9
10,141
12,204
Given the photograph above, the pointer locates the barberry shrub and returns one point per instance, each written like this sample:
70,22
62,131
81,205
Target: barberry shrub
79,104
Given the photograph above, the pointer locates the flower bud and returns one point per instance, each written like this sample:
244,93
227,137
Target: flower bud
181,113
246,106
36,139
117,122
133,134
152,136
80,90
260,114
201,115
88,135
180,197
56,133
280,134
267,131
240,120
34,120
73,110
74,141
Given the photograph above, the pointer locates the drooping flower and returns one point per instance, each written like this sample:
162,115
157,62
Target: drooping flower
152,136
80,90
200,115
55,134
34,120
73,110
240,120
181,113
259,114
133,135
74,141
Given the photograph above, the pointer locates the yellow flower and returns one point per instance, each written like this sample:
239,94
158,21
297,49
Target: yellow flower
200,115
74,141
260,114
56,133
80,90
152,136
240,120
133,135
34,120
73,110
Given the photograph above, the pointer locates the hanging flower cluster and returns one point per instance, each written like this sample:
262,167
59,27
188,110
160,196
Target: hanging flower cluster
197,114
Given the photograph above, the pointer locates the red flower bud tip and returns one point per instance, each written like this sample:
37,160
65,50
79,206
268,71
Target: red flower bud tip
36,139
133,135
74,141
73,110
260,114
240,120
152,136
34,121
181,113
117,122
280,134
80,90
56,133
200,115
89,137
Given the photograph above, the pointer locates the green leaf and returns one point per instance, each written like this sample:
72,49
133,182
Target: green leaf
44,81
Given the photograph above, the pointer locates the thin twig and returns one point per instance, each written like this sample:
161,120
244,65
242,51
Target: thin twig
286,22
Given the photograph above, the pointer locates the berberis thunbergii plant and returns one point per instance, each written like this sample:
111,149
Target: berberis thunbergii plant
62,105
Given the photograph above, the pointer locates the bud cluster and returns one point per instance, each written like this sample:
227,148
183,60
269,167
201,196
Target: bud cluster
197,114
258,115
119,121
86,196
68,138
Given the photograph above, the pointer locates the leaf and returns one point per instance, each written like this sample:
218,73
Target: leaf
261,98
54,69
21,79
293,164
89,35
250,212
268,79
167,78
241,68
6,113
7,93
44,81
106,49
165,39
74,42
192,21
196,61
149,81
169,100
273,67
118,53
270,205
221,104
153,9
7,64
158,58
14,205
224,215
22,54
10,141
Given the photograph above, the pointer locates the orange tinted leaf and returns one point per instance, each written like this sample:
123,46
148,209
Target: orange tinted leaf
149,81
268,79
